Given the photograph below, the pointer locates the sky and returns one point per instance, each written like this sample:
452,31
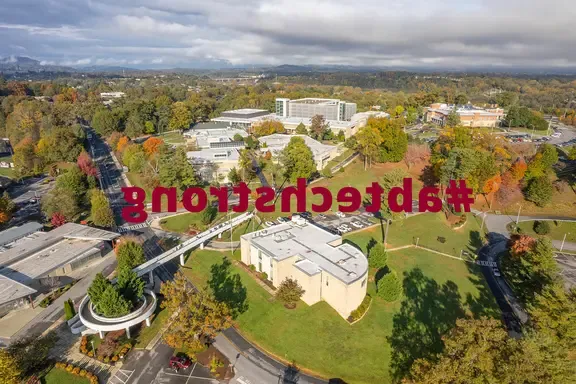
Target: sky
187,33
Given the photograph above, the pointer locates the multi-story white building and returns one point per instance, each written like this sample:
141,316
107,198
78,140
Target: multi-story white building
326,268
331,109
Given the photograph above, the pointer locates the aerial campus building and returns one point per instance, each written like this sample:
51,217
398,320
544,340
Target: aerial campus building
323,153
33,262
326,268
331,109
470,116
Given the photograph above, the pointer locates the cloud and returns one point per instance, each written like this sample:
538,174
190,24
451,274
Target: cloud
415,33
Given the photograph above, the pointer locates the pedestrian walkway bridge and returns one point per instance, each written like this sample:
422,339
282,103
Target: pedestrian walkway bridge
88,321
192,243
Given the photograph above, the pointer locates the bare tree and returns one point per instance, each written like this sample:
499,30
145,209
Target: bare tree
416,153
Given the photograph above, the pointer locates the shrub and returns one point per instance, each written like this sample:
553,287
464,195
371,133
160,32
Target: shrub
76,370
115,358
541,227
106,359
90,354
289,292
69,309
389,287
60,364
361,310
69,368
83,373
252,267
377,257
264,276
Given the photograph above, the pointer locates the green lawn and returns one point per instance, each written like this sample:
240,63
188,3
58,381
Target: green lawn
173,138
136,180
183,222
382,345
60,376
427,228
335,161
146,334
557,230
8,172
353,175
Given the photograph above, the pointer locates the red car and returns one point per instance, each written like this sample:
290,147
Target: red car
178,363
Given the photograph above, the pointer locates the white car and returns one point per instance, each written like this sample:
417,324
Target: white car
343,229
357,224
346,226
281,220
269,223
340,214
556,134
496,271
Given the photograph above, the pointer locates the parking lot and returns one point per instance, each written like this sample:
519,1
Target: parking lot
194,375
567,264
334,223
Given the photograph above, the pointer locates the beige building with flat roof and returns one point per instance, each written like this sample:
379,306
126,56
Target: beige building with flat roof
470,116
326,268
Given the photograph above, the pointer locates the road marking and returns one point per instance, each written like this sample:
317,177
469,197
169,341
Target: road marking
122,371
192,370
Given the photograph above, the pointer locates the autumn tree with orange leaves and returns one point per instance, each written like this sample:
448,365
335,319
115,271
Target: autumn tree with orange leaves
122,143
152,146
199,316
520,244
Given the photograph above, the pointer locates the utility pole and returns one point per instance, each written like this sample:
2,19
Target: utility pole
483,218
563,240
386,234
518,216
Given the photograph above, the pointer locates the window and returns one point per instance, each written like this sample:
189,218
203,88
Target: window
363,283
326,280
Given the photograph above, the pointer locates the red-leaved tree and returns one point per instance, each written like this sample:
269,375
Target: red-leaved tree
86,164
58,219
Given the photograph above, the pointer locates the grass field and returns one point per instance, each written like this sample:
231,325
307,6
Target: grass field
146,334
60,376
557,230
353,175
427,228
173,138
385,342
136,180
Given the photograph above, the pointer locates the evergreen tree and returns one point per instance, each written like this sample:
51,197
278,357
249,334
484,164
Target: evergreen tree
112,304
301,129
101,212
130,254
130,285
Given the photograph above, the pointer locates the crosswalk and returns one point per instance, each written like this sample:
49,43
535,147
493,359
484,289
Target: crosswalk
134,227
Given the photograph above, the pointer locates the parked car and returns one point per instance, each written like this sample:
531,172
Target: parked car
178,363
556,134
282,220
496,271
321,216
269,223
344,229
340,214
357,224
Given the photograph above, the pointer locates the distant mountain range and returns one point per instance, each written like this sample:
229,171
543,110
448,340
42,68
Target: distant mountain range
21,64
14,64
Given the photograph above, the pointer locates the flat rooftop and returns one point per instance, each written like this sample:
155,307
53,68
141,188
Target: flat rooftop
12,234
246,111
313,100
48,259
12,290
213,155
42,240
277,142
312,244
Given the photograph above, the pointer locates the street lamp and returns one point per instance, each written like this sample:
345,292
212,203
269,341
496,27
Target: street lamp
93,349
386,234
518,216
563,240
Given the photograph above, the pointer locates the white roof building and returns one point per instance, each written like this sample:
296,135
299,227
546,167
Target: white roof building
326,268
41,254
323,153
